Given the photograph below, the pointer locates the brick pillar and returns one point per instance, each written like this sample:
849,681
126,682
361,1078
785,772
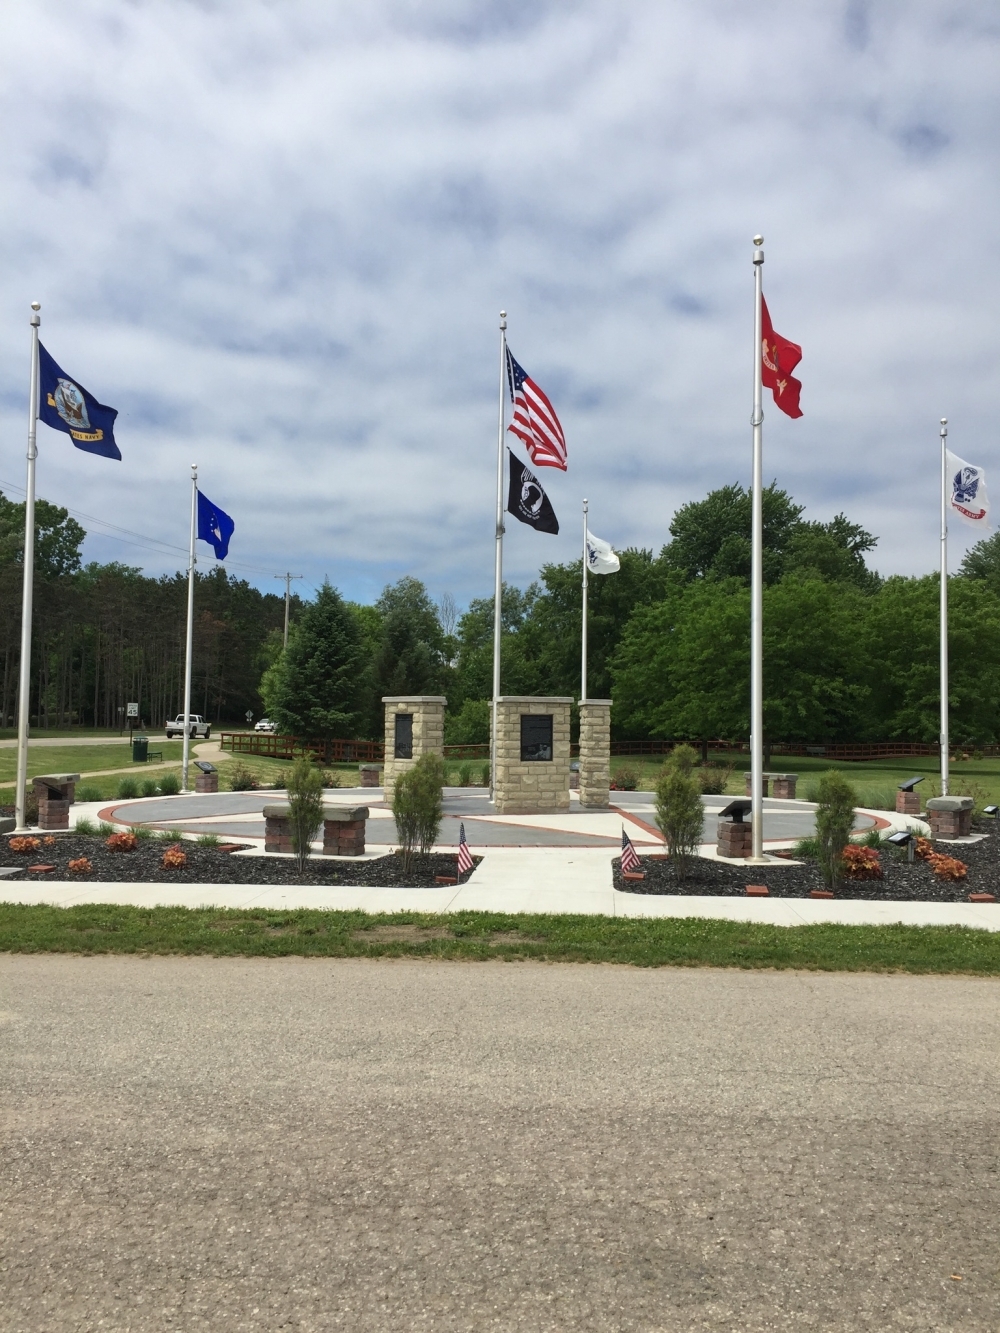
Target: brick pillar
277,829
950,816
783,786
533,778
344,830
206,782
56,792
595,752
907,803
370,775
426,728
734,839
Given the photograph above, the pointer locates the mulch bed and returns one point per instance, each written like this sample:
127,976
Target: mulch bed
209,865
900,883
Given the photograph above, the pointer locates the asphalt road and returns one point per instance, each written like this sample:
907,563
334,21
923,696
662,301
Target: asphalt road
311,1145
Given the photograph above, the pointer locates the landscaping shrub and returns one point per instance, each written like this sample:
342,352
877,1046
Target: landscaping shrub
85,825
861,862
121,842
806,849
305,807
85,793
208,840
24,846
148,787
416,805
105,829
465,775
484,777
128,789
679,812
683,758
80,866
173,859
834,820
944,867
142,832
169,835
331,778
714,778
625,779
242,777
170,783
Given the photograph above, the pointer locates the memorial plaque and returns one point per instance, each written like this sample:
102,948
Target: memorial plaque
404,736
536,737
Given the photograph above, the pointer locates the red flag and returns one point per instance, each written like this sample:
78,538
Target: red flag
779,358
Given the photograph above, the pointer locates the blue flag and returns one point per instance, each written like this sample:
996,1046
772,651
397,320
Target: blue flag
66,405
214,526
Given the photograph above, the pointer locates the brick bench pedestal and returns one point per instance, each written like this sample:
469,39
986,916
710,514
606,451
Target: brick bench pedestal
370,775
344,830
782,785
907,803
950,816
56,792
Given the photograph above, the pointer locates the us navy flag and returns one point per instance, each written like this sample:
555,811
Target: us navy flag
214,526
66,405
527,501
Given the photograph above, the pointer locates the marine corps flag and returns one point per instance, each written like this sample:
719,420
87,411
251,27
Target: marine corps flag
527,501
66,405
779,358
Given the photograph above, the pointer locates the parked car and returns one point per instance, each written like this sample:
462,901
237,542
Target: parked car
265,724
198,728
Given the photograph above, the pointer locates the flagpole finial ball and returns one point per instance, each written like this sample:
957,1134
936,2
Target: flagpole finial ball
36,305
758,240
944,421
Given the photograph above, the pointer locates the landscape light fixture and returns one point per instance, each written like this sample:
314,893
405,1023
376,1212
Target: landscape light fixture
903,839
909,784
993,810
736,810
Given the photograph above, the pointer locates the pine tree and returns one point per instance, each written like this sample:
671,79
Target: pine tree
317,689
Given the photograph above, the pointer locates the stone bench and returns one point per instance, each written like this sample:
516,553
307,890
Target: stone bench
783,785
950,816
56,792
343,829
371,775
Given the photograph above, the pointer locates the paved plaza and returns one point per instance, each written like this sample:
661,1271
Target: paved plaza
203,1144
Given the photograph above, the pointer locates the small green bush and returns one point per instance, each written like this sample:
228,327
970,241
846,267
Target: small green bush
86,794
305,807
85,825
806,849
416,806
242,777
105,829
208,840
625,779
683,758
465,775
170,783
834,822
484,776
142,831
679,812
714,778
128,789
148,787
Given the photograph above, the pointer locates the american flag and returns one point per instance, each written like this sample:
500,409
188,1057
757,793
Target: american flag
630,860
535,420
464,855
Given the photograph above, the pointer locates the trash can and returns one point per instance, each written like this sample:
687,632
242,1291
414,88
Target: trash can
140,749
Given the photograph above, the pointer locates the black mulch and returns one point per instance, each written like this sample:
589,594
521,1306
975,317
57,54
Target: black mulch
900,882
208,865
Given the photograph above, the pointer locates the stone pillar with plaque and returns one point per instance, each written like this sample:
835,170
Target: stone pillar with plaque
414,726
532,760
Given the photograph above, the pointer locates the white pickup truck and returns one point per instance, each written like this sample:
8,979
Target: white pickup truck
198,728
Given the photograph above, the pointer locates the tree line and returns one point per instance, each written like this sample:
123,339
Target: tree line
848,655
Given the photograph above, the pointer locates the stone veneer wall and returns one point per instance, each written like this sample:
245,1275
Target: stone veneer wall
535,786
595,752
428,730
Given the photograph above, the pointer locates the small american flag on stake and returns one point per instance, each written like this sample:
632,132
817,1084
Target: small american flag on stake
630,861
464,855
535,420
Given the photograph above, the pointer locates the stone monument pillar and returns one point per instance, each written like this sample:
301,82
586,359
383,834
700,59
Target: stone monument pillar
532,761
414,725
595,752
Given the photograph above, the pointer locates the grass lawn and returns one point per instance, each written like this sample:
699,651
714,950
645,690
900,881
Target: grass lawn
875,781
479,936
60,733
80,758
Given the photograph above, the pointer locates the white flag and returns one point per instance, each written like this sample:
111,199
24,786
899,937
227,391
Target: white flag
967,491
601,559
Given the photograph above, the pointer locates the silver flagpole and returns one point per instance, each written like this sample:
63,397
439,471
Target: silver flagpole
192,561
583,662
498,571
944,608
27,584
757,575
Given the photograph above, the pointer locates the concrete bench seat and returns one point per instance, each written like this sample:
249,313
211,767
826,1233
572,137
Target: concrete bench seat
343,829
783,785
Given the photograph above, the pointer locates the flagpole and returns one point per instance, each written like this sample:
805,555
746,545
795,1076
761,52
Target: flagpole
944,608
192,561
757,575
498,570
27,583
583,663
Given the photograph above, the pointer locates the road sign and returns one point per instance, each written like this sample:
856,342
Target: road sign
132,710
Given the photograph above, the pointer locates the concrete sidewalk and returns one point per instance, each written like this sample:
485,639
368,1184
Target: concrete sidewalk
515,879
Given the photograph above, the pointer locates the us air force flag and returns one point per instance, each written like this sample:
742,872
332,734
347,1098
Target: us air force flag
967,491
66,405
527,501
601,559
214,526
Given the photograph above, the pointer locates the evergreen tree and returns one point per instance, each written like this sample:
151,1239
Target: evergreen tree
317,688
411,657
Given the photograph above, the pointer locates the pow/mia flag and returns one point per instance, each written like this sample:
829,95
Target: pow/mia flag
527,501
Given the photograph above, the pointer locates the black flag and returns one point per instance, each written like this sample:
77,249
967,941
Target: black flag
527,501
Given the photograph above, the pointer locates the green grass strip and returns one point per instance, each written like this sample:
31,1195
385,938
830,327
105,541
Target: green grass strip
672,942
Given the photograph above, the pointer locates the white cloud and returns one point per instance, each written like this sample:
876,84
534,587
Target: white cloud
277,238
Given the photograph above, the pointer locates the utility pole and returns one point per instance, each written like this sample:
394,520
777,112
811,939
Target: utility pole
288,593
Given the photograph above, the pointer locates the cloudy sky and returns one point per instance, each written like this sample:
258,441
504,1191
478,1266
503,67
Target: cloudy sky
277,237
